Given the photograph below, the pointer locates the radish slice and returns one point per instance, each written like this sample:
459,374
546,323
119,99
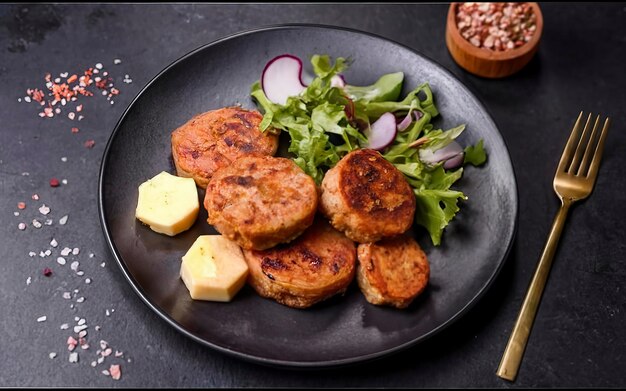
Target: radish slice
382,132
337,81
452,155
454,162
282,78
405,122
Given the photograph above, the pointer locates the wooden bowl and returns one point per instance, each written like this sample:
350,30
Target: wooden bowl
485,62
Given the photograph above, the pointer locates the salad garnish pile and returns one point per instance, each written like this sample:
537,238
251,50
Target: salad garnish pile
328,117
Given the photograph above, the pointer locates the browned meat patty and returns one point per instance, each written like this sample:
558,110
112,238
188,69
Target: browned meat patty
393,271
260,201
215,139
367,198
317,265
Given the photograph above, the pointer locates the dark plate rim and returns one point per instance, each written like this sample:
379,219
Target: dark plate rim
285,363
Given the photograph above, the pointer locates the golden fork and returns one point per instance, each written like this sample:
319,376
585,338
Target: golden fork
573,181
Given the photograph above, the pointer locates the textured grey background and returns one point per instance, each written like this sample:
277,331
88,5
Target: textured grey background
578,339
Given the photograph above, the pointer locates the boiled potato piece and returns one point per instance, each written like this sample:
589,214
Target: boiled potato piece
214,268
168,204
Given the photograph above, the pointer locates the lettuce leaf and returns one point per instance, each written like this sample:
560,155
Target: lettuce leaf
386,88
475,154
412,99
434,210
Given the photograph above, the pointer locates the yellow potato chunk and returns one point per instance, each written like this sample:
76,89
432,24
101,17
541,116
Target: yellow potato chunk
168,204
214,269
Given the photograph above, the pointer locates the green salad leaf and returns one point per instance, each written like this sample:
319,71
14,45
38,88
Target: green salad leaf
411,101
311,118
387,88
475,154
324,124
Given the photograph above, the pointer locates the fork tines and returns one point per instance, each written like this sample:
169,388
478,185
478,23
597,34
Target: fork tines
585,161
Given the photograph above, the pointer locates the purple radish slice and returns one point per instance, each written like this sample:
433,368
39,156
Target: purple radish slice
452,155
454,162
337,81
404,124
382,132
282,78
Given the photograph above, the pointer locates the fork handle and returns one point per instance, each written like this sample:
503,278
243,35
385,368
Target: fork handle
512,357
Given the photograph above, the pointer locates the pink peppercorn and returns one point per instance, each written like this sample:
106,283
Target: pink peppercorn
47,272
54,182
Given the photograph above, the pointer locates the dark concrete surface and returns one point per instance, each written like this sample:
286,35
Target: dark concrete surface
578,338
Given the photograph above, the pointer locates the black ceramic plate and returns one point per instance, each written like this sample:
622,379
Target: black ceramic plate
344,329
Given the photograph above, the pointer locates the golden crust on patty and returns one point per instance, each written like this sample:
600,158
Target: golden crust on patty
260,201
215,139
367,198
393,271
317,265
